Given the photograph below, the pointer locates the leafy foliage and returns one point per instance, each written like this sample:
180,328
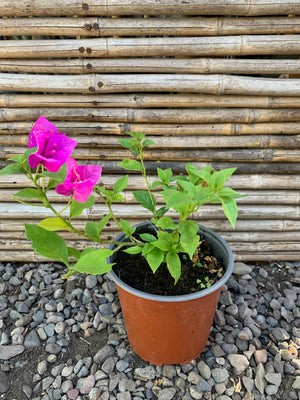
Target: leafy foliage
184,194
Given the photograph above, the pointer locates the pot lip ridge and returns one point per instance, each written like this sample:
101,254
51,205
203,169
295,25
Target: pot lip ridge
191,296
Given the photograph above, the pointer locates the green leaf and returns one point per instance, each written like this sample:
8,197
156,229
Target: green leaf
228,192
72,252
164,243
133,250
166,223
188,236
197,175
137,135
12,169
164,175
102,223
120,184
94,262
155,258
133,165
117,198
204,195
156,184
220,177
147,248
187,187
30,193
87,250
77,207
177,198
56,177
54,224
143,197
129,144
128,230
91,230
47,244
16,159
147,237
230,209
147,143
174,265
106,192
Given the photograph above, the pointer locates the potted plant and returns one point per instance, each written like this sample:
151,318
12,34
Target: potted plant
169,272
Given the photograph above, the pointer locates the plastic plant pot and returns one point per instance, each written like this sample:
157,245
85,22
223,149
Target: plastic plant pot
172,329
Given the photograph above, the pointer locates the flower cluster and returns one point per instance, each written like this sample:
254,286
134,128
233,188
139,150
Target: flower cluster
53,149
48,164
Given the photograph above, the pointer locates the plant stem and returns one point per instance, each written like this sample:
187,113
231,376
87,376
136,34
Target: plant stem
144,173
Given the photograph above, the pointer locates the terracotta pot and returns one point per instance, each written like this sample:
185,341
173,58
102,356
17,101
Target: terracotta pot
172,329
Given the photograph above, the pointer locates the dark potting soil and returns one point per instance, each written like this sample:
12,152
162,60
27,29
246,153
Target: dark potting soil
205,269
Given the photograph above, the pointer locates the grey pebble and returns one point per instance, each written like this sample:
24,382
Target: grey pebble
220,374
124,396
239,362
66,386
53,348
167,394
203,385
4,382
249,311
204,370
91,281
32,340
87,384
42,367
122,365
27,391
145,373
106,309
103,354
296,383
46,382
241,268
280,334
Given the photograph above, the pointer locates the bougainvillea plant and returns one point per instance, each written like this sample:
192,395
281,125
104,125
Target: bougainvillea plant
47,165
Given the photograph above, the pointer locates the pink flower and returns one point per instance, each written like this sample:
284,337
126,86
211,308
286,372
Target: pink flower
54,148
80,180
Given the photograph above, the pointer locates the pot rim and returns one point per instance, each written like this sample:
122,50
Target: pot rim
211,235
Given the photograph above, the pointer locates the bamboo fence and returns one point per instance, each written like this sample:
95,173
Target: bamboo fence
11,8
212,83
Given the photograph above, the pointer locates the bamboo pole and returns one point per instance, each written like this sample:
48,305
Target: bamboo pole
107,128
236,181
111,232
258,197
272,229
267,257
183,116
248,212
196,26
242,45
253,156
117,83
236,246
150,65
150,7
261,227
180,142
278,168
31,256
144,100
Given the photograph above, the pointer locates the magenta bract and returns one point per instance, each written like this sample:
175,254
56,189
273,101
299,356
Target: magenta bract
54,148
80,180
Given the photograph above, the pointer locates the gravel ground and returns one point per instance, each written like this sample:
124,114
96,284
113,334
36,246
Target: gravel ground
65,340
